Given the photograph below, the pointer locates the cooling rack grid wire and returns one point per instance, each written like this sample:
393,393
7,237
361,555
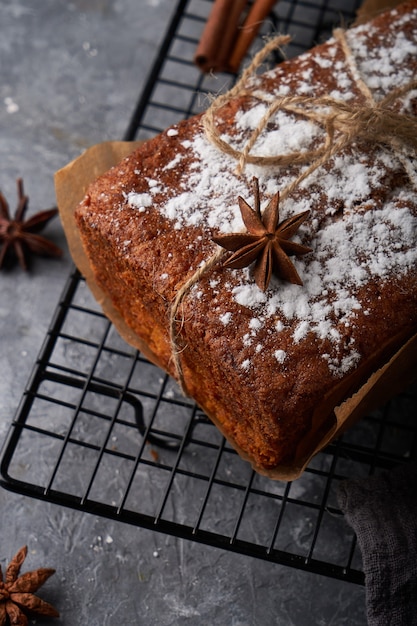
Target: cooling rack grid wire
102,430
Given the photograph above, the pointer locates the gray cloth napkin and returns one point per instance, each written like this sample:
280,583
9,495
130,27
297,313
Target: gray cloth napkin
382,510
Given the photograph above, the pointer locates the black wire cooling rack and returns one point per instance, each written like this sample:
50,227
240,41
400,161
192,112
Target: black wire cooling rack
102,430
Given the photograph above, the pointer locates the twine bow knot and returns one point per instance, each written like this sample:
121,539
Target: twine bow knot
375,122
371,122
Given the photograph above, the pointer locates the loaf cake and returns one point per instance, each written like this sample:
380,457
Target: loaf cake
182,234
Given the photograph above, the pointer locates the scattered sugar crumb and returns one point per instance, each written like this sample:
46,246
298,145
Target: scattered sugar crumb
225,318
280,355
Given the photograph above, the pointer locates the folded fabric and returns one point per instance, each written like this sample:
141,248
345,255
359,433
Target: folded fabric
382,510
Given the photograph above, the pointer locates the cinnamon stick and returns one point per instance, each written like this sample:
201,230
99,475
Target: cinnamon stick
257,14
219,34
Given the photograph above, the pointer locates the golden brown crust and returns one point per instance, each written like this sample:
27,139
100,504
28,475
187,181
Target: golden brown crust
260,370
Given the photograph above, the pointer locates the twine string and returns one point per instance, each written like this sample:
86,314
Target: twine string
175,323
344,123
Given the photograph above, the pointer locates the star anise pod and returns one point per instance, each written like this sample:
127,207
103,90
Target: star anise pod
267,242
21,236
17,592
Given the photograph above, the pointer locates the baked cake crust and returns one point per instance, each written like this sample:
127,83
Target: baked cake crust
269,367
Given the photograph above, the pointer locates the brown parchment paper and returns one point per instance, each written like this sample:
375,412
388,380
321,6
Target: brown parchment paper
399,372
371,8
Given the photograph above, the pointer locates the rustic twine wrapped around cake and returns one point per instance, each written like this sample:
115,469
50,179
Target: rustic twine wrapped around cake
344,123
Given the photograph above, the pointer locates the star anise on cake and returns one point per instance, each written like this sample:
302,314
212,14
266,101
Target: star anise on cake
266,242
17,593
18,236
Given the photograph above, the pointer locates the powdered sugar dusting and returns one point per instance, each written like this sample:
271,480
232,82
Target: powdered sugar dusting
139,200
225,318
358,236
280,355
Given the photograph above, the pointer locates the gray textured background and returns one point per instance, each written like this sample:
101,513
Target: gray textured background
70,75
